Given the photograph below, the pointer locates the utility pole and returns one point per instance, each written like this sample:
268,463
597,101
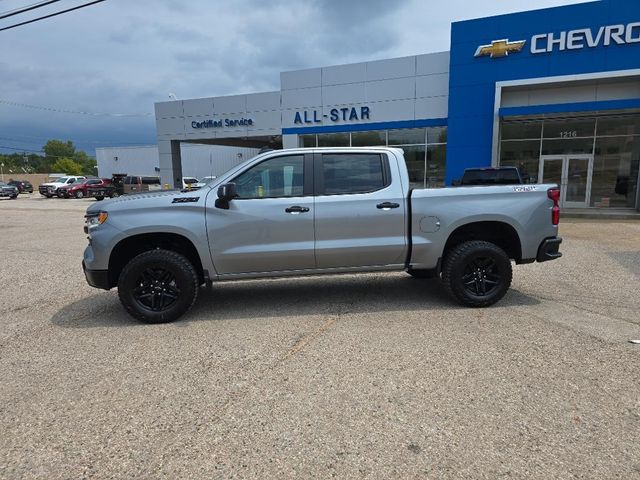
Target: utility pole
2,171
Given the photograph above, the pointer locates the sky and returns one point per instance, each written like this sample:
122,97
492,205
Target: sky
115,59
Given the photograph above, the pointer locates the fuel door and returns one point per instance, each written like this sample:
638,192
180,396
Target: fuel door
429,224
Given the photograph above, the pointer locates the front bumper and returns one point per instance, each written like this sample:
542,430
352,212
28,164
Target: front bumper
549,249
97,278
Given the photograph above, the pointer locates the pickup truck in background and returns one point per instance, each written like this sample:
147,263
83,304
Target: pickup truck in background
316,211
490,176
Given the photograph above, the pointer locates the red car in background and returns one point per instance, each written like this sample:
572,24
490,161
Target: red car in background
79,190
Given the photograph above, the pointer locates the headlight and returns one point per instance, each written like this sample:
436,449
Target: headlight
92,220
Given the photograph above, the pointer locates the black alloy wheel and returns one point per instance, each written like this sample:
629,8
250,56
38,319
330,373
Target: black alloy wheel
481,276
157,289
477,273
158,286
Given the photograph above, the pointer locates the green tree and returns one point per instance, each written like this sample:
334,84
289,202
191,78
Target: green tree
68,166
87,163
59,149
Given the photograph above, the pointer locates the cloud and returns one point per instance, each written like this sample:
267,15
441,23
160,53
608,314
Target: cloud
122,56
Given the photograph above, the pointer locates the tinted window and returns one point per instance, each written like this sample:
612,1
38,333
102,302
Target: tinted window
150,181
276,177
352,173
491,177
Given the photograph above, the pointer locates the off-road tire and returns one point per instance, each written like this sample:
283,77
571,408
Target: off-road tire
466,260
132,278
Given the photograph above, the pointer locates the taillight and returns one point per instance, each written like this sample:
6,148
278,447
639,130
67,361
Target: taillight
554,194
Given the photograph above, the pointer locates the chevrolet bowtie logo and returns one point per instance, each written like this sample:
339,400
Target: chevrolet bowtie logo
500,48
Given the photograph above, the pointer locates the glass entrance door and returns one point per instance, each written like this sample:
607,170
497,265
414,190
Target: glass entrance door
572,173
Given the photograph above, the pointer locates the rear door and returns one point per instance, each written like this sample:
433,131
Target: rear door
359,211
269,226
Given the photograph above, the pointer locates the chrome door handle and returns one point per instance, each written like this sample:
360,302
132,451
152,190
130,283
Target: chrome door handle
296,209
387,205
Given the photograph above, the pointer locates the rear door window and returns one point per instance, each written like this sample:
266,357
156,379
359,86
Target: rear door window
350,173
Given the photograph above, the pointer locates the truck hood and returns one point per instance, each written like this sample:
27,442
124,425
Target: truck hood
153,199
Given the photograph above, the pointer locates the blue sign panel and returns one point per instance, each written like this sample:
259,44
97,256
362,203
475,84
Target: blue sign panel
584,38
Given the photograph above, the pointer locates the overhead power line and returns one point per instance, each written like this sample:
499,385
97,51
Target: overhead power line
51,15
79,112
28,8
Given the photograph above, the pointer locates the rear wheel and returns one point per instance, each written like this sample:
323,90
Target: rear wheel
99,197
158,286
115,195
477,273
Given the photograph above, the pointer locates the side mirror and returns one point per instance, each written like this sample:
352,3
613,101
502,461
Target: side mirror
226,193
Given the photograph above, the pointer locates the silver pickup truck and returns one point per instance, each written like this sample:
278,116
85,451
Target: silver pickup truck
315,211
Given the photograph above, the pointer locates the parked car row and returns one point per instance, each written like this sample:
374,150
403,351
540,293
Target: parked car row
99,188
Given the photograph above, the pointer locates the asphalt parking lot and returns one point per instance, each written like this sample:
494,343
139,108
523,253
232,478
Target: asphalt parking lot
377,376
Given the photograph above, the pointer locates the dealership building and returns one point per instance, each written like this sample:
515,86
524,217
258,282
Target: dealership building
555,92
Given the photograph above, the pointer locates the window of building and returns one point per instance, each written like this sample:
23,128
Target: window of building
521,130
333,139
352,173
523,154
437,135
436,163
276,177
408,136
369,139
615,172
569,128
415,157
424,148
307,141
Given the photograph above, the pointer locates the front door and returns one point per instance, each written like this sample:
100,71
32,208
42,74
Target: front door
269,226
572,173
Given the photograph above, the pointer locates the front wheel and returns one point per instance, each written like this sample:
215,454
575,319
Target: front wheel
477,273
158,286
79,194
99,197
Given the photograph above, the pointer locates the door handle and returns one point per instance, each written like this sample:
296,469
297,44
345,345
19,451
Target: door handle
296,209
387,205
